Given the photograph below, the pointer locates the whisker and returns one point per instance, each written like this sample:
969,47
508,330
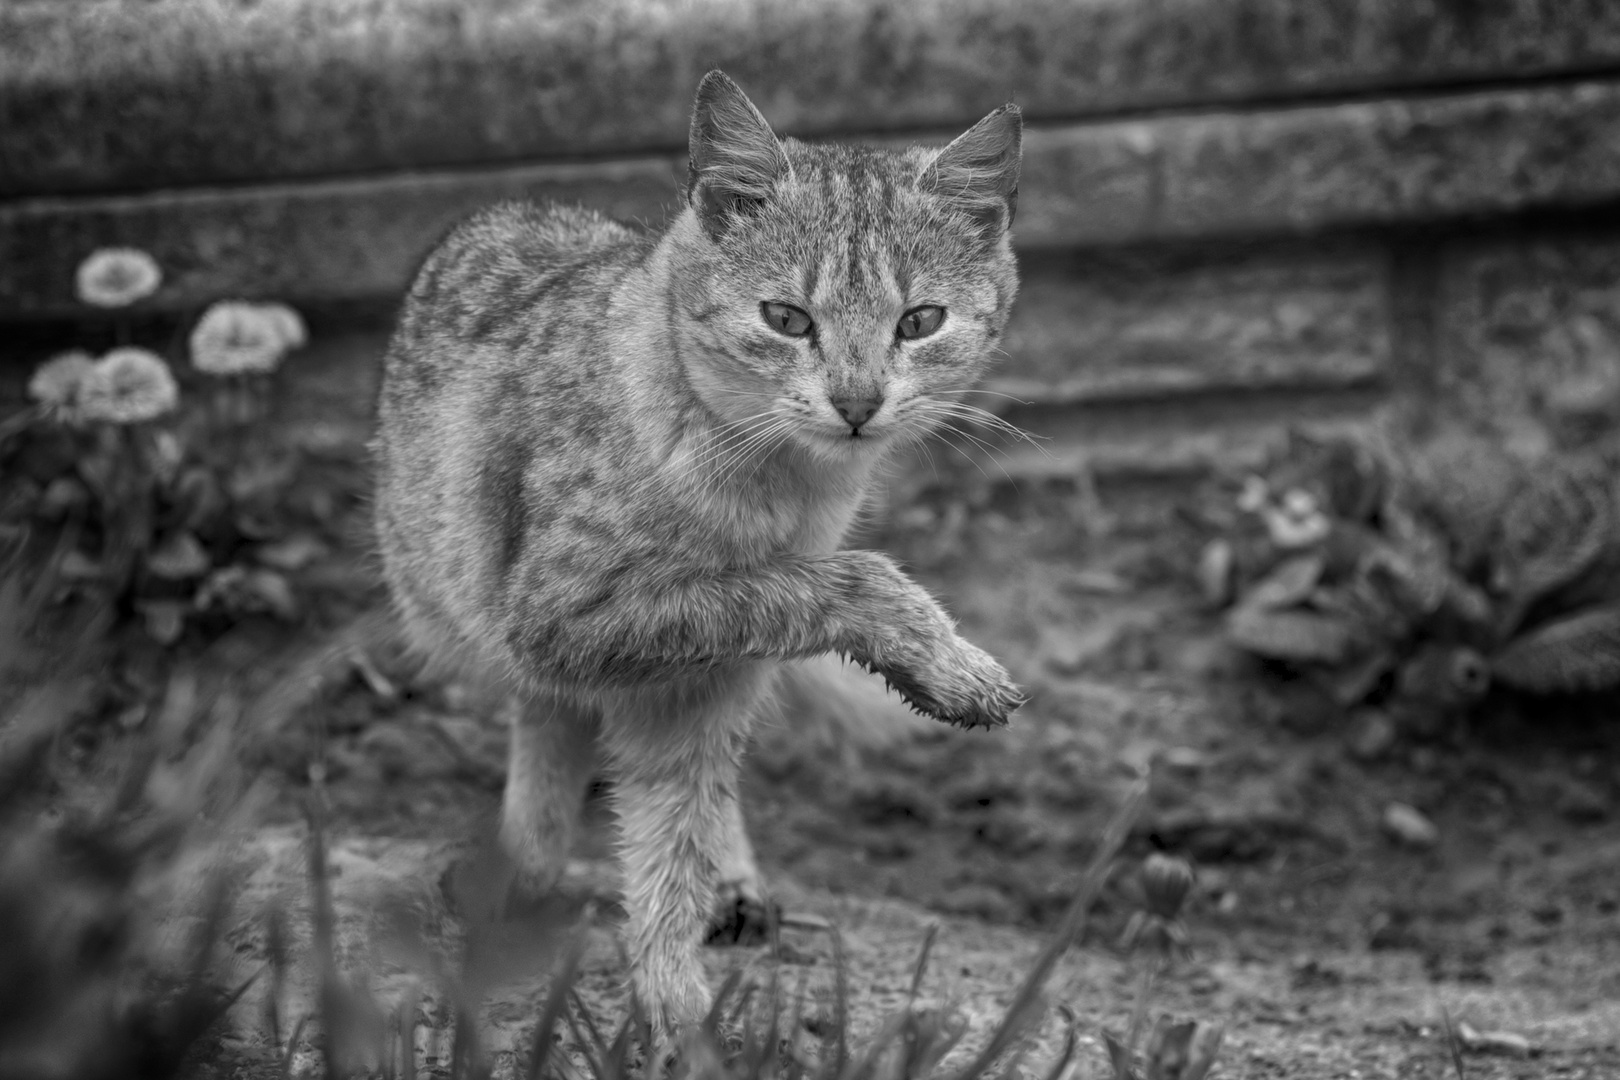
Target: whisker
781,434
1014,398
947,410
988,419
720,451
756,449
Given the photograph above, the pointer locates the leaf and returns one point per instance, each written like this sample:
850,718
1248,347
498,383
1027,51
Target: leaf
1287,585
179,557
1464,483
1578,653
272,591
165,619
291,554
1182,1050
1119,1057
1416,571
1302,637
1553,533
1353,684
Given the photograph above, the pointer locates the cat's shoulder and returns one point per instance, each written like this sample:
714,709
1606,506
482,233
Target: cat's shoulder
493,268
538,233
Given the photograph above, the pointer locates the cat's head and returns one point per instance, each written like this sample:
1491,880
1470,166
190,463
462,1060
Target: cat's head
840,297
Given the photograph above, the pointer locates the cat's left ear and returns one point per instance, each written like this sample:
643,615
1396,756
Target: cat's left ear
978,173
734,156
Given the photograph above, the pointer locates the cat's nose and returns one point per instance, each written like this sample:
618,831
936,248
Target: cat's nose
857,411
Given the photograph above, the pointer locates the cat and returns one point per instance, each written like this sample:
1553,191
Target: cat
615,469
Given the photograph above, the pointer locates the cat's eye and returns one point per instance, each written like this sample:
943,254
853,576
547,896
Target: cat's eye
919,322
786,319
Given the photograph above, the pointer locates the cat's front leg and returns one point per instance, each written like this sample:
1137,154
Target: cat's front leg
895,629
673,751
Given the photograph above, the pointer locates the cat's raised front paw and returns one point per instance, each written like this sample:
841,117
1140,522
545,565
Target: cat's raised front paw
958,683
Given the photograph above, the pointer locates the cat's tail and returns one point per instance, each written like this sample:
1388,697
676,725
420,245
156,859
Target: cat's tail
828,699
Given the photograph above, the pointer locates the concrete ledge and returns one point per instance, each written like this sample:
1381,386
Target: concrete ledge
1306,169
333,240
1101,329
1275,172
125,95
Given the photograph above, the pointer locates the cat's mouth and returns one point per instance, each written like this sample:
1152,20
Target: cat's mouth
851,440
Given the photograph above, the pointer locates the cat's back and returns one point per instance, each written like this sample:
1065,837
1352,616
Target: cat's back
499,278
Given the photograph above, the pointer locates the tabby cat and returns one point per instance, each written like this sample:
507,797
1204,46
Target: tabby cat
616,468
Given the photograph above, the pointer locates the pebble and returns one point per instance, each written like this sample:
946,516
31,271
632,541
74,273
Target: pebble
1372,734
1580,801
1409,826
1493,1042
1216,570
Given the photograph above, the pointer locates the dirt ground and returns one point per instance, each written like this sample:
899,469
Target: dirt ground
1328,945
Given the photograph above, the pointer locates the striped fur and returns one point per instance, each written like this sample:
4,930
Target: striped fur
606,481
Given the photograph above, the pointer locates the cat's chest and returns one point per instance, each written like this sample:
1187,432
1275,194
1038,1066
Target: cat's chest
772,521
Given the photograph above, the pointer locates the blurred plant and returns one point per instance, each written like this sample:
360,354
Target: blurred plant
1172,1050
118,492
1419,576
94,982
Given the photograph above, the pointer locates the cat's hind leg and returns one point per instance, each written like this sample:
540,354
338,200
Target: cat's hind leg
742,913
673,753
550,764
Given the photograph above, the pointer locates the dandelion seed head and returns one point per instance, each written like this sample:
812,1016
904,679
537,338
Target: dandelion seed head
294,334
238,338
117,277
128,386
58,383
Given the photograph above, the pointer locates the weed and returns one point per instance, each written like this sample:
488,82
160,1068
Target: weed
1422,576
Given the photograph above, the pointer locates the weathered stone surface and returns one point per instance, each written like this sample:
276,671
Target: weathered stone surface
1102,327
1175,177
1330,166
1168,438
1529,341
332,240
134,94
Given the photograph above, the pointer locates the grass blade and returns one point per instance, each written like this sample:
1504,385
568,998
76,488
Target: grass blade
557,998
921,966
1028,998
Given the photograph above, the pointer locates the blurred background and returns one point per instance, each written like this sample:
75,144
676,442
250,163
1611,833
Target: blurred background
1318,350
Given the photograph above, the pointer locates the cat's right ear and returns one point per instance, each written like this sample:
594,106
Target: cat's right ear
734,156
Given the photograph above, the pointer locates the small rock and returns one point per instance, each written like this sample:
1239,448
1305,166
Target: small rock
76,566
1216,564
1372,734
180,557
1185,758
165,619
1493,1042
1409,826
1098,583
918,518
1580,801
1070,650
292,553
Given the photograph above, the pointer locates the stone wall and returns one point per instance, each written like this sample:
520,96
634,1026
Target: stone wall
1234,214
